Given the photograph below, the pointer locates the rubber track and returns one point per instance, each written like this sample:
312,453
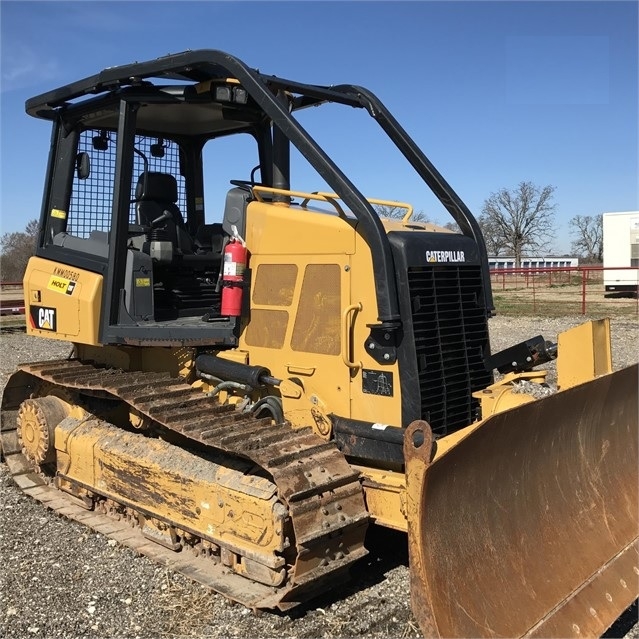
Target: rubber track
319,487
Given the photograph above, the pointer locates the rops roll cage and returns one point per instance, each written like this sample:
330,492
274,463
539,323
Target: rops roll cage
208,64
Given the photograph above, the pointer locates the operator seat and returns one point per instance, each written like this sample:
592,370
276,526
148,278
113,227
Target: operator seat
156,193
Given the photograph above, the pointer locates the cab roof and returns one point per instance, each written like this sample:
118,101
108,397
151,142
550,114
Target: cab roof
191,68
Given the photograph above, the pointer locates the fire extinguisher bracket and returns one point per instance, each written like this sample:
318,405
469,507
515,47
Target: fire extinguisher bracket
241,284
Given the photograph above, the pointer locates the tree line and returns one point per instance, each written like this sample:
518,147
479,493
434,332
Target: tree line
513,221
15,251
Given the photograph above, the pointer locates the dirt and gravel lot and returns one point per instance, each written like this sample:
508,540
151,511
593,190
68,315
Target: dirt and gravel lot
60,580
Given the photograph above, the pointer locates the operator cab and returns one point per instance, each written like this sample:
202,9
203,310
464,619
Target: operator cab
140,187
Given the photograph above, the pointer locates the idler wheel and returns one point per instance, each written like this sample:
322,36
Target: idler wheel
37,419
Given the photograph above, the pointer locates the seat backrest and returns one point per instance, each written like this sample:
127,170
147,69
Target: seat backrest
237,200
155,193
209,238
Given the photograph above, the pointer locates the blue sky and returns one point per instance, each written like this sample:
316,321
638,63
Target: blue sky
493,92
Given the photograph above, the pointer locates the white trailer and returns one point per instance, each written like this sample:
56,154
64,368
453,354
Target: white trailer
621,251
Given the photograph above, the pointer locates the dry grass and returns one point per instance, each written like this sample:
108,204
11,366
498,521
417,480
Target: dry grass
186,604
559,301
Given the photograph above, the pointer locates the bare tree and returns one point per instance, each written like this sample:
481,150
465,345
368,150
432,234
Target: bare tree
588,231
519,219
398,212
15,251
492,237
452,226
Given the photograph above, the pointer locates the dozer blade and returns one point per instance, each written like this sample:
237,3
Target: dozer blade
529,526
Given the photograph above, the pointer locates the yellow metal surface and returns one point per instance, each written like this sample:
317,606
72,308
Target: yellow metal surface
496,398
175,361
113,356
385,495
584,353
234,355
528,526
297,326
500,396
386,409
282,231
220,503
62,302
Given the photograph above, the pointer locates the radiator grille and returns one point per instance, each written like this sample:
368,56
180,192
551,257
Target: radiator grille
450,332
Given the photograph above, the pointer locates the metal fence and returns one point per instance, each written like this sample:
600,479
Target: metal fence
554,291
11,298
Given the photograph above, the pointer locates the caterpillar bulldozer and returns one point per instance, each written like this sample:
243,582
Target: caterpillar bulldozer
246,396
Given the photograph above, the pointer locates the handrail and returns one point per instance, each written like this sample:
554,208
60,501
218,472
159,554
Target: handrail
322,197
346,342
374,200
332,198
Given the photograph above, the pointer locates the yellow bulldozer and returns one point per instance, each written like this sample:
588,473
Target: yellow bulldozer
245,397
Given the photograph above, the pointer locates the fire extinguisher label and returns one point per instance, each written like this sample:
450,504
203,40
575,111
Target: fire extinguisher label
233,268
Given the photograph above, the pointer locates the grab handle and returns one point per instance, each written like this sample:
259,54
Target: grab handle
346,342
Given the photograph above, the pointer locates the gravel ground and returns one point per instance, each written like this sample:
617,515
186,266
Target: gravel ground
61,580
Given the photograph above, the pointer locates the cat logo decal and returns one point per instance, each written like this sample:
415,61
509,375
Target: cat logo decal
43,318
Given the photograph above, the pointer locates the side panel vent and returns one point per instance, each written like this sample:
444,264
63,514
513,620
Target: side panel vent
317,324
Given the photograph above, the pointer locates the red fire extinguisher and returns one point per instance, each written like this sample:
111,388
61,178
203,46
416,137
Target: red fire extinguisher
235,261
